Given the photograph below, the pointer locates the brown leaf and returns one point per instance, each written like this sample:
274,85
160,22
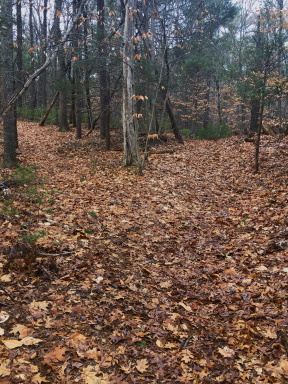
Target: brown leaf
142,365
55,356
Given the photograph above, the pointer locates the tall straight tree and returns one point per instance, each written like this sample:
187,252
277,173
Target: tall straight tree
103,74
63,119
19,41
130,133
9,121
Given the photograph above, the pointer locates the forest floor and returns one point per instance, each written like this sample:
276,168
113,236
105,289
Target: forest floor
176,276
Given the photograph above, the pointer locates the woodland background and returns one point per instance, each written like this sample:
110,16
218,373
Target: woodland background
204,69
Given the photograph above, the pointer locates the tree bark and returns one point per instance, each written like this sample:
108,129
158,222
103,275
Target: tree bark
19,54
9,121
42,122
63,109
103,75
43,79
174,124
254,118
131,148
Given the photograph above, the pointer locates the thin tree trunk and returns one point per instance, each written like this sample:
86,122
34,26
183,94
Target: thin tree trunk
258,138
43,79
42,122
19,54
254,119
86,71
219,108
103,75
63,110
33,96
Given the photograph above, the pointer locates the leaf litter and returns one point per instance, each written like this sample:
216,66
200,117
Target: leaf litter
176,276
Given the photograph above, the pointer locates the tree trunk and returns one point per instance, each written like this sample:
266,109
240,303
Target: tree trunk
42,122
206,114
131,148
19,54
86,70
254,119
174,124
103,75
43,78
63,119
9,121
258,138
33,96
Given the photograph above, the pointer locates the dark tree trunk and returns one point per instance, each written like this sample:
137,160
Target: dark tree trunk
33,96
219,108
255,112
86,70
174,124
9,120
42,122
206,115
63,119
43,78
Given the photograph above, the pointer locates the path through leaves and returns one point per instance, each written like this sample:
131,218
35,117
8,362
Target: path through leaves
176,276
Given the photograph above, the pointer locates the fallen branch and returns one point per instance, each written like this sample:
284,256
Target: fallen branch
7,293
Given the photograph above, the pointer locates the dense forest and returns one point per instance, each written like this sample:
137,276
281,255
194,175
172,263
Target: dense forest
203,69
169,269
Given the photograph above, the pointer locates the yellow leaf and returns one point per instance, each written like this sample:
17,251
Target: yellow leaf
4,369
159,343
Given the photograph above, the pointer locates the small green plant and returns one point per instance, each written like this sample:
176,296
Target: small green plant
32,237
92,213
213,131
25,175
186,132
35,196
49,210
7,208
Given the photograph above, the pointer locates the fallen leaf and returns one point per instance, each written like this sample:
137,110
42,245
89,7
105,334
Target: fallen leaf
226,352
142,365
55,356
11,344
5,278
4,369
38,379
28,340
4,316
